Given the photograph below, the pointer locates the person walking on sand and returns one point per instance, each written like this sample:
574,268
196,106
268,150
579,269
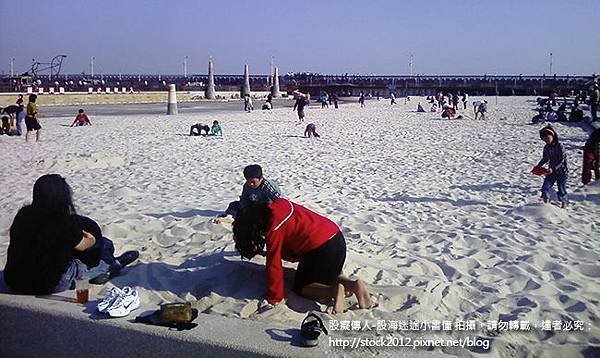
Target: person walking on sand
392,98
465,100
31,119
248,107
557,172
294,233
301,102
325,100
361,99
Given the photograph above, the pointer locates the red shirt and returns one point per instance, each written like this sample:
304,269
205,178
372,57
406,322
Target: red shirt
293,232
82,118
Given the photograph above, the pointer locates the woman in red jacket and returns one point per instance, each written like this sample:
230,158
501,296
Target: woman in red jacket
294,233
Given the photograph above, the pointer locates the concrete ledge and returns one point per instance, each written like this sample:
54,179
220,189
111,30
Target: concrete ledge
56,326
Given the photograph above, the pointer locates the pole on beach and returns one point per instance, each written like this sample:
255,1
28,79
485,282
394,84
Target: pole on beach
246,87
496,85
185,66
209,92
275,90
172,105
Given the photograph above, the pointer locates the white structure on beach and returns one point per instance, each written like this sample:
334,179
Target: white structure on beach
275,89
246,86
209,92
172,102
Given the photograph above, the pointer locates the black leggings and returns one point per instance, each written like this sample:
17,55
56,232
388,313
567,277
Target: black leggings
322,265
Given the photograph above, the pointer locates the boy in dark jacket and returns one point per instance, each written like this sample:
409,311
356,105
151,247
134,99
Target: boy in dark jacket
554,154
257,189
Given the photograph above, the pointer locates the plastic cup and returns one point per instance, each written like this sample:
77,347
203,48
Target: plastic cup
82,290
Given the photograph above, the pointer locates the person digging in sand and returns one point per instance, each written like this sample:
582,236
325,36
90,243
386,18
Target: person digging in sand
293,233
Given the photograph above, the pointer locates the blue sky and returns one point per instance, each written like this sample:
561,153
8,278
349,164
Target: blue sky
336,36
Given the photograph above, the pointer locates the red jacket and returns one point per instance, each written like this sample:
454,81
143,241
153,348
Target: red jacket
293,232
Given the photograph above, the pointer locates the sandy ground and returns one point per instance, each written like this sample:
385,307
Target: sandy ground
442,217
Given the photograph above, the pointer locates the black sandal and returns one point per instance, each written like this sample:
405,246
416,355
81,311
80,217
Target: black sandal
120,262
311,329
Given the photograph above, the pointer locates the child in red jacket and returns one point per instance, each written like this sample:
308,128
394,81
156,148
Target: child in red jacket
81,119
293,233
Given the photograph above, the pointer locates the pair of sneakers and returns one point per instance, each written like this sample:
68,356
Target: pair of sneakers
119,302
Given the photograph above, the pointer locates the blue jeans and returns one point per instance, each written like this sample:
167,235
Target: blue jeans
78,269
20,119
561,180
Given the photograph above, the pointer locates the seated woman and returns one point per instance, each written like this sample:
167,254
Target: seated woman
576,114
560,112
50,245
294,233
197,129
540,117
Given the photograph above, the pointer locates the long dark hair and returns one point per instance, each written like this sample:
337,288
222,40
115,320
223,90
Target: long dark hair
52,195
249,229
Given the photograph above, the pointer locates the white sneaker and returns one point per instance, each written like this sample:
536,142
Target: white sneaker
110,297
124,304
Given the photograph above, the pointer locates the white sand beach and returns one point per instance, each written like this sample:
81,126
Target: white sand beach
442,218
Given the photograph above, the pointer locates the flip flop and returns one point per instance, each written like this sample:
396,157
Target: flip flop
311,329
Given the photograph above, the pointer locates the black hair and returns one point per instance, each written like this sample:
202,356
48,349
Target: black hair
80,110
32,97
549,130
249,229
215,122
253,171
52,195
